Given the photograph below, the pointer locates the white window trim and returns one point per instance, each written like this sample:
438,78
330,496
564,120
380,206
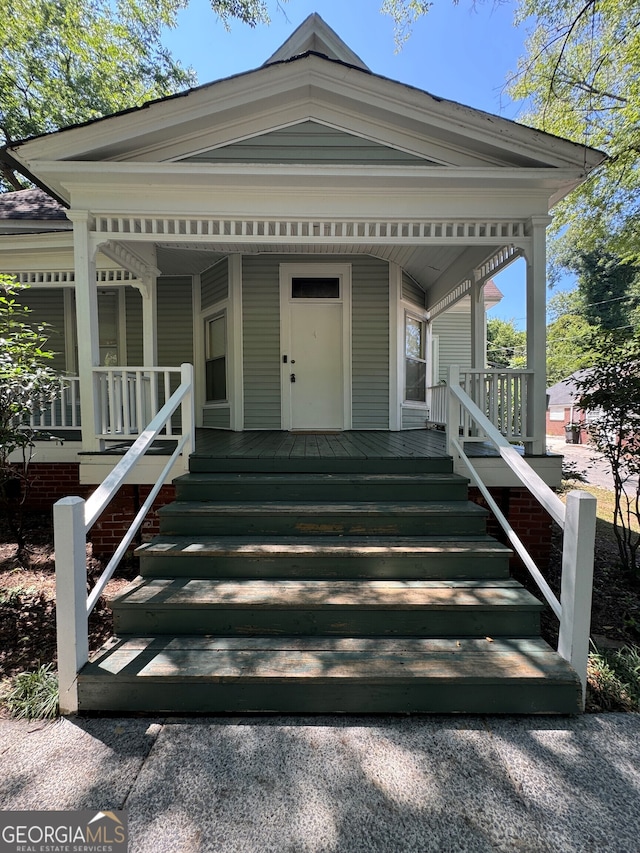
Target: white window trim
416,314
220,309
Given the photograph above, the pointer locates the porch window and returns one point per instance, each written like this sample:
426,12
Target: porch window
216,358
415,360
315,287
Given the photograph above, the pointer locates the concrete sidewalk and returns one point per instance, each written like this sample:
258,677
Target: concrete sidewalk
339,784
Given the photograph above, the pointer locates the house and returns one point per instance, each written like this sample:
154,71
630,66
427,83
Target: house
563,404
315,239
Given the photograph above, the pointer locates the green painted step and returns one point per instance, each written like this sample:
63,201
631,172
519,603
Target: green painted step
323,519
233,486
342,465
328,675
353,608
331,557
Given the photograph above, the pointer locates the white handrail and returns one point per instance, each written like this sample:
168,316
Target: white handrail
121,550
73,518
512,536
577,519
536,485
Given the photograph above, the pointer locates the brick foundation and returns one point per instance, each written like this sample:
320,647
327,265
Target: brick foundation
51,481
530,521
107,533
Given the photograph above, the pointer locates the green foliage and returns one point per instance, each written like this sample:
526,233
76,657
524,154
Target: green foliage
27,383
609,289
569,347
611,391
506,345
404,13
614,680
34,695
581,78
64,62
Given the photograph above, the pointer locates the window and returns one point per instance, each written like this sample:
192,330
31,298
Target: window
415,389
216,358
556,413
315,288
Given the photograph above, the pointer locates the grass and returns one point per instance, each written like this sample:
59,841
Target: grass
614,679
34,695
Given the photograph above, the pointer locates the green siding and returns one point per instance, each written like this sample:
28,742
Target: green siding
216,418
261,342
370,343
175,320
214,284
307,142
413,418
412,292
133,306
47,306
453,329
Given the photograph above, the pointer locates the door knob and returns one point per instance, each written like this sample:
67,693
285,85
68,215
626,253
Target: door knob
293,377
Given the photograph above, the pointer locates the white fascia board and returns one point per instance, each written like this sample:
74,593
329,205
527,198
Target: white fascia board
249,91
69,178
31,242
161,115
33,226
328,201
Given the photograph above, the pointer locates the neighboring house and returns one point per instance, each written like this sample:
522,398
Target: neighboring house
563,404
318,242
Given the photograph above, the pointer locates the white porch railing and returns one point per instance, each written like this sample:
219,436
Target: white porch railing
73,518
129,397
502,395
64,411
577,519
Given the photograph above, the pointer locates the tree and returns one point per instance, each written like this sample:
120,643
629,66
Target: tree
611,392
609,290
63,62
569,340
27,383
506,345
581,78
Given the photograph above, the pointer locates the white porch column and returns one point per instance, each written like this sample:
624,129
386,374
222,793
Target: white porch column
396,344
235,345
536,256
150,319
478,326
84,258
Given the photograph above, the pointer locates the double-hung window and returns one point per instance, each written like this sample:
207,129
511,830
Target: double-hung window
216,358
415,372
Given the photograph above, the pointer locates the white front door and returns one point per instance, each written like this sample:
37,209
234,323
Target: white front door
315,350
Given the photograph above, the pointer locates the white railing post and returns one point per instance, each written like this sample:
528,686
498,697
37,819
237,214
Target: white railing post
188,413
71,598
453,409
577,582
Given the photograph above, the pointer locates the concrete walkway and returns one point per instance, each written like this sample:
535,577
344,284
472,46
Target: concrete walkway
339,785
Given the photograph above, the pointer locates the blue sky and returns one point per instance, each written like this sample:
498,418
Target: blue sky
462,52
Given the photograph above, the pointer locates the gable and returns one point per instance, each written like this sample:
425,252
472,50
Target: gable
307,142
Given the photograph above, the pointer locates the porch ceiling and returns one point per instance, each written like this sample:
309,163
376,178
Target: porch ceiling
426,264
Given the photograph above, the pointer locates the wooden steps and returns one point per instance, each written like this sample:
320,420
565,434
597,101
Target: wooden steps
411,558
327,607
326,675
311,585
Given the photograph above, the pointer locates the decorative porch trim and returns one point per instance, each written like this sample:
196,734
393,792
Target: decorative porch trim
474,232
66,278
453,296
502,258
